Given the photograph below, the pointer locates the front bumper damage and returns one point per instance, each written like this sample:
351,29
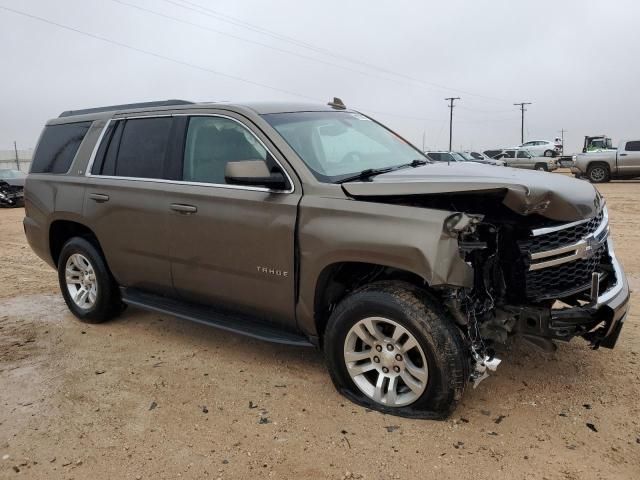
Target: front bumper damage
598,321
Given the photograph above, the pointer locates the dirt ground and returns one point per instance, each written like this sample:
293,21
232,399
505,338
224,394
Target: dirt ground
151,396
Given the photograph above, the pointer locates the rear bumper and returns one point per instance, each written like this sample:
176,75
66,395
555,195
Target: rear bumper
599,321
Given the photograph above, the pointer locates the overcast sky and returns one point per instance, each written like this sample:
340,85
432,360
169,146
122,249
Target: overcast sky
576,60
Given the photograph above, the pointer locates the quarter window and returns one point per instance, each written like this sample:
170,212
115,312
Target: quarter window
212,142
58,146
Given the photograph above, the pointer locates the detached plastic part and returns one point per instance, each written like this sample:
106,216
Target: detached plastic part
482,365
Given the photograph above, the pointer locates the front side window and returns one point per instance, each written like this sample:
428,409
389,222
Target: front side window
212,142
523,155
337,145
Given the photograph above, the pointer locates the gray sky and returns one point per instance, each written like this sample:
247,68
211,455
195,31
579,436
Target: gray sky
576,60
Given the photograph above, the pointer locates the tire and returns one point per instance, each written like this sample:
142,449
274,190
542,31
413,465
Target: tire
437,340
88,265
549,153
598,173
542,167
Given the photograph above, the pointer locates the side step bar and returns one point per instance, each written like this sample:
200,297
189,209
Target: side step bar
243,325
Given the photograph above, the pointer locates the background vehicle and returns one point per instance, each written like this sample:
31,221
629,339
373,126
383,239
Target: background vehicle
10,196
444,156
517,158
541,148
270,220
11,187
596,143
604,165
481,158
493,153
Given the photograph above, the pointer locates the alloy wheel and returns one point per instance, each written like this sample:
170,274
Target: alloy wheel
386,362
82,284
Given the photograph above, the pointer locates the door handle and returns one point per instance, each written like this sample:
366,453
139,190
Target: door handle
99,197
181,208
622,154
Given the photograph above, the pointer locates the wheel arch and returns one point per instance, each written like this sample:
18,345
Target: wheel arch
338,279
61,230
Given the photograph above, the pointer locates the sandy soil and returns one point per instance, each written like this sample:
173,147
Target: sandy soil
150,396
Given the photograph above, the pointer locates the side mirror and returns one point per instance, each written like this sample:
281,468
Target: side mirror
254,173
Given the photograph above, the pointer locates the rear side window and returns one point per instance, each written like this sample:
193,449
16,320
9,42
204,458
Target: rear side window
134,148
143,148
633,146
58,146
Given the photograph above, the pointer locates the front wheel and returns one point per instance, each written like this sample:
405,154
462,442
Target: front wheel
389,346
598,173
543,167
87,285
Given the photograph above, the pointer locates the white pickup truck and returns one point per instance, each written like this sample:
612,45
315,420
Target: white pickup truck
603,165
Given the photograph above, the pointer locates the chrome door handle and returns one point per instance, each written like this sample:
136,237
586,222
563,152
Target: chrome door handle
181,208
622,154
99,197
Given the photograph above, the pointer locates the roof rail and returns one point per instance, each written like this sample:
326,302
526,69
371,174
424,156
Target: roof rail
161,103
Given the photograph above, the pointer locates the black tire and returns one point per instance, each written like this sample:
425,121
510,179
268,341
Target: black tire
418,312
542,167
549,153
598,173
108,303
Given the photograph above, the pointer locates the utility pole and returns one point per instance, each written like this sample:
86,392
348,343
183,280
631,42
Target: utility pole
451,100
522,109
562,138
15,149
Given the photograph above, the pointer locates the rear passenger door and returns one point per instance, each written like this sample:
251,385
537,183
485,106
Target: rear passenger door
232,246
126,201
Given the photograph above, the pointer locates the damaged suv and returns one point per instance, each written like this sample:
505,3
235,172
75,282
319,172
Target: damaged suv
316,225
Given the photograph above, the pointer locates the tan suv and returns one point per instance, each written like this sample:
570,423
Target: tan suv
316,225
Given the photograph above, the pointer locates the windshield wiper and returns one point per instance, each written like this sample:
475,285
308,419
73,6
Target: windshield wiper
372,172
367,174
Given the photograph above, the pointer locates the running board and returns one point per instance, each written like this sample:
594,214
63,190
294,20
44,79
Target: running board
243,325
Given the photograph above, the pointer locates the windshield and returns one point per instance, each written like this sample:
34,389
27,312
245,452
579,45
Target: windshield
459,157
9,173
337,145
467,156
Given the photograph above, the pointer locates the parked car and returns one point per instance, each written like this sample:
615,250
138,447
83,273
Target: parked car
518,158
11,187
541,148
481,158
444,156
604,165
492,153
314,225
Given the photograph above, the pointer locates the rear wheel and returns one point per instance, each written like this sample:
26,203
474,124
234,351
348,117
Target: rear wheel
86,283
598,173
390,347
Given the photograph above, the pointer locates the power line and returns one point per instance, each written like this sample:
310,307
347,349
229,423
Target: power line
153,54
522,110
202,10
187,64
451,100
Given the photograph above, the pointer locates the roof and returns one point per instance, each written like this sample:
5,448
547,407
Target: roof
258,107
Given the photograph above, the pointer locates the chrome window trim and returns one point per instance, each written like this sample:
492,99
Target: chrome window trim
184,182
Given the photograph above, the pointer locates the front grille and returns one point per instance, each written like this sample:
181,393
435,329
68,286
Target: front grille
572,276
562,238
563,280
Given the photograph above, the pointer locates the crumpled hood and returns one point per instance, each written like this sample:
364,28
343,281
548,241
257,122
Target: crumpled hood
551,195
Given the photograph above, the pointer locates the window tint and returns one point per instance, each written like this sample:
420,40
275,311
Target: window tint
142,148
212,142
522,154
510,154
58,146
633,146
